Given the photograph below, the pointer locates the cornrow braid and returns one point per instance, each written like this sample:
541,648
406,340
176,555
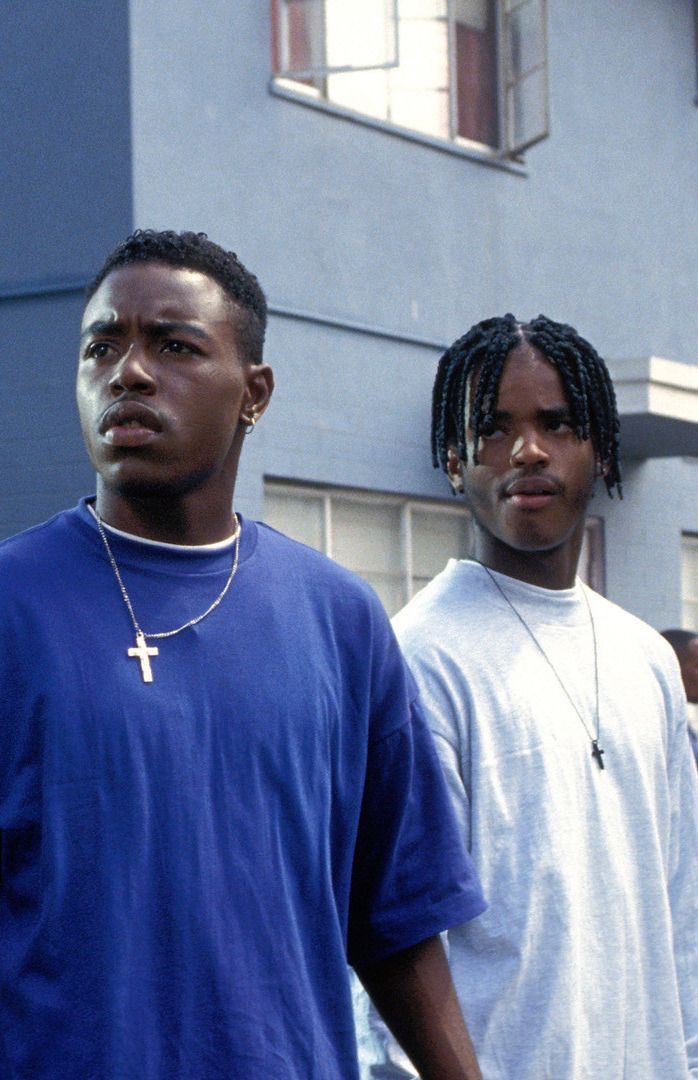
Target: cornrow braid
485,347
584,375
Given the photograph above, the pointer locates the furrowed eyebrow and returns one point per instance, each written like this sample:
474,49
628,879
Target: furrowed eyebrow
102,326
156,329
161,328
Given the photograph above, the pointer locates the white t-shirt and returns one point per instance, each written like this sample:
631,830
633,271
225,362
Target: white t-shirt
584,965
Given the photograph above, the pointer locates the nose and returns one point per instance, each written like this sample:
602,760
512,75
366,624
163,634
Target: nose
528,449
132,372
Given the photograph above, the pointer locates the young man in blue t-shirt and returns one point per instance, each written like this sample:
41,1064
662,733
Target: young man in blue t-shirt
216,784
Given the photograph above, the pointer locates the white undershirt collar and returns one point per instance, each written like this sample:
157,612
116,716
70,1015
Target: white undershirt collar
217,545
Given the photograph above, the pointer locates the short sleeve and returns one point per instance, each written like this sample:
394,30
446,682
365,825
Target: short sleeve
412,877
683,782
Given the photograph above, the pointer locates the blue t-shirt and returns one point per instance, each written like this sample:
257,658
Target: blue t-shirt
187,864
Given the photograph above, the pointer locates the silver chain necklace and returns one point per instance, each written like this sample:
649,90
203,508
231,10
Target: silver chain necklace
596,750
141,651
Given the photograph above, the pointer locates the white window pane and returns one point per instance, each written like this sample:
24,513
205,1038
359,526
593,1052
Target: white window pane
526,41
419,95
423,9
528,111
421,110
364,91
592,561
321,36
527,85
361,33
390,591
366,539
299,516
436,538
366,536
414,94
423,55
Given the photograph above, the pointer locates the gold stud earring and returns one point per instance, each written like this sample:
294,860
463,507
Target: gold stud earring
249,421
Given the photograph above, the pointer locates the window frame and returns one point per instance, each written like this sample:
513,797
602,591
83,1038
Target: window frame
689,599
508,154
507,79
595,543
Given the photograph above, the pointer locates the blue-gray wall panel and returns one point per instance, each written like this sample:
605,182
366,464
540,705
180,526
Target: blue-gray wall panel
43,463
65,193
65,200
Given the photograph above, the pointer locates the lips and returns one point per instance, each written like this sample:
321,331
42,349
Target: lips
129,423
531,492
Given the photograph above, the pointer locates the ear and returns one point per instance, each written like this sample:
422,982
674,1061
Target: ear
454,470
258,390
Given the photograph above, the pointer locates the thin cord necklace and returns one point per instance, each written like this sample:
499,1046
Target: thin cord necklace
141,651
596,750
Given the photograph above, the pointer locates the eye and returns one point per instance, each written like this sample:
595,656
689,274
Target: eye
97,350
491,428
176,346
562,424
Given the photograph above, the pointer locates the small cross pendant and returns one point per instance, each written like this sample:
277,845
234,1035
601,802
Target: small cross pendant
143,653
596,752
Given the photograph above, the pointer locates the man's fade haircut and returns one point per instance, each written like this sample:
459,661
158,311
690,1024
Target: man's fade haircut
484,349
194,251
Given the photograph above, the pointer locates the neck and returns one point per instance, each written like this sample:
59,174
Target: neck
167,519
554,569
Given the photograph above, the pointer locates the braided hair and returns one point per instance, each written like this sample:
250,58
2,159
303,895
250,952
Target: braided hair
194,251
484,349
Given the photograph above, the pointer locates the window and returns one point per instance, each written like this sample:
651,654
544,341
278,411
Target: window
689,581
592,557
471,71
396,544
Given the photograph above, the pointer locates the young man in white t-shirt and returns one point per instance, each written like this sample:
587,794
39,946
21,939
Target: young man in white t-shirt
560,722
